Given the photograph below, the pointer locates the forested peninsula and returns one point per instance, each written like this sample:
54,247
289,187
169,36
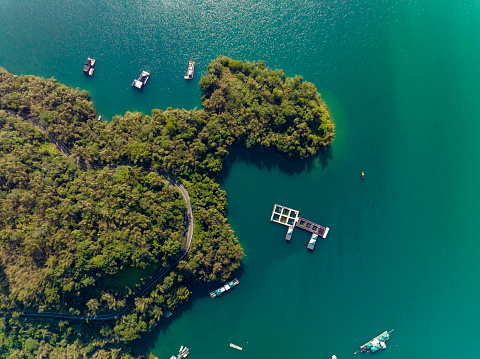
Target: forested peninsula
81,239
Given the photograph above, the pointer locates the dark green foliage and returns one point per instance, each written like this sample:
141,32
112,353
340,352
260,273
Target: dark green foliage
82,241
264,107
62,230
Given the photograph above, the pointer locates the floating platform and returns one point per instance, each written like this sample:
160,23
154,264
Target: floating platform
312,227
224,288
289,217
88,68
284,215
142,80
235,346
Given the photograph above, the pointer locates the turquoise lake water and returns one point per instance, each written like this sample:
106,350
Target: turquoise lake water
402,81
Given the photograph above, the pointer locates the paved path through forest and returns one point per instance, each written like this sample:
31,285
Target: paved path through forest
157,275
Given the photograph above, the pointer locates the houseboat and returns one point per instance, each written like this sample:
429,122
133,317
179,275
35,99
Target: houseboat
376,343
224,288
88,68
142,80
191,70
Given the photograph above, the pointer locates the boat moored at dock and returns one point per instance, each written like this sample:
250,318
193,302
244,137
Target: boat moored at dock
224,288
312,241
88,68
190,71
376,343
289,234
182,353
142,80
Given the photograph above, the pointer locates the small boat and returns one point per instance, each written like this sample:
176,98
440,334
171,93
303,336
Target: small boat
363,175
168,314
182,353
190,72
142,80
376,343
334,357
224,288
235,346
88,68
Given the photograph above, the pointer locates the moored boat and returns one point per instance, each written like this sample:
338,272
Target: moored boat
88,68
190,72
142,80
376,343
236,346
224,288
182,353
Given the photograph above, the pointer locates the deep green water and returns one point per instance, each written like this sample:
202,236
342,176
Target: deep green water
401,79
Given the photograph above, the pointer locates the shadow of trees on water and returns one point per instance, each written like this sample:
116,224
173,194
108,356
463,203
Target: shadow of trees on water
264,159
268,158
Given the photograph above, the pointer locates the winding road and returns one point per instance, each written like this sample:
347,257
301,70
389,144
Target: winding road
157,275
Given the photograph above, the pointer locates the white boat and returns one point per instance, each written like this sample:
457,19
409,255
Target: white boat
236,346
191,71
142,80
183,352
88,68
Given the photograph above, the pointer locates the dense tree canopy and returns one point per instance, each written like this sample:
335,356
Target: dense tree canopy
81,242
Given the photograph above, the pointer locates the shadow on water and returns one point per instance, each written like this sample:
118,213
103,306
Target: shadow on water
264,159
146,343
269,159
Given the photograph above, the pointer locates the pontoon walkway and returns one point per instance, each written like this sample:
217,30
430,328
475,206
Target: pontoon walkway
289,217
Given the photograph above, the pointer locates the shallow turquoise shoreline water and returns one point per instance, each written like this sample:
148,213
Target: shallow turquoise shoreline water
401,80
